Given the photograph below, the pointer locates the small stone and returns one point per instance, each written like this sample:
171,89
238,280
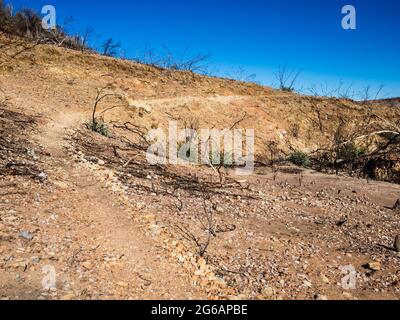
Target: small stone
321,297
122,284
26,235
220,210
101,162
202,263
20,265
325,279
42,177
18,278
155,231
374,266
268,292
87,265
35,260
198,273
347,295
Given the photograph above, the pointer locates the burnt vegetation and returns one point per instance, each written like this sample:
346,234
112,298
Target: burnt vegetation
27,24
368,147
17,155
24,31
209,207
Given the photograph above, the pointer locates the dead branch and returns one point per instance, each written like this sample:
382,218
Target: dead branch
110,47
218,169
208,226
287,79
101,95
5,97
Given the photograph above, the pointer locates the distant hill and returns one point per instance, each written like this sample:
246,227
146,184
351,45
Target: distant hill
392,102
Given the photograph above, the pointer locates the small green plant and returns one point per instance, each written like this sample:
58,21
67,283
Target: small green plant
219,158
99,127
350,151
300,159
97,124
185,149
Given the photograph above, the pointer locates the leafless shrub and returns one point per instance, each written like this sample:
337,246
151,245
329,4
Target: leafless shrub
241,74
85,38
373,141
198,63
97,123
222,161
137,131
342,149
272,147
287,79
207,224
146,56
341,90
166,59
185,61
323,90
367,94
110,48
345,92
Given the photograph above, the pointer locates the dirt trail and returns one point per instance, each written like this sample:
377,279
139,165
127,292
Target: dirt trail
95,246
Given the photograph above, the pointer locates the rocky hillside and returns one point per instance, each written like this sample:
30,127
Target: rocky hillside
83,215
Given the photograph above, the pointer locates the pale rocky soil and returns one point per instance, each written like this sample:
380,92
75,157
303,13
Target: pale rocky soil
114,229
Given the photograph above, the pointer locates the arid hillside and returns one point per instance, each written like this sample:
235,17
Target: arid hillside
157,95
394,102
91,208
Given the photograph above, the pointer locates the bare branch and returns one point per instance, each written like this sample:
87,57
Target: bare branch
287,79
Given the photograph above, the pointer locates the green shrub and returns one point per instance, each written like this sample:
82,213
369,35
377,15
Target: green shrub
99,127
349,151
219,158
184,149
300,159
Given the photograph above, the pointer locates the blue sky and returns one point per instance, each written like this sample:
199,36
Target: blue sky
256,35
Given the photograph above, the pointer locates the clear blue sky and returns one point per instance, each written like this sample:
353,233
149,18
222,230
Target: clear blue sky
256,35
